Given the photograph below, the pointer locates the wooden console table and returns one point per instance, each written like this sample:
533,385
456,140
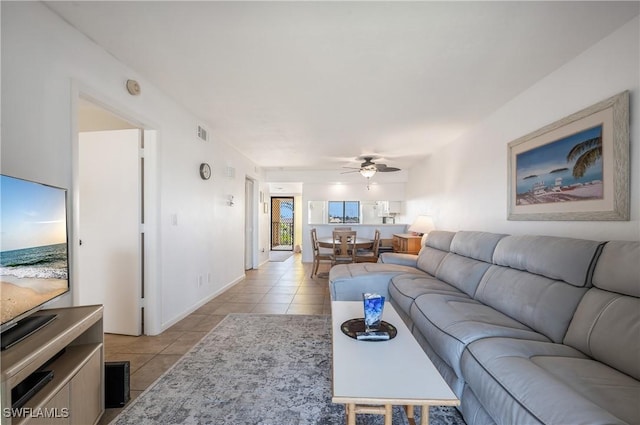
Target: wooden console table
406,243
72,346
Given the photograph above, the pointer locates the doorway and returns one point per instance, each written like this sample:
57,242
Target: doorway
282,223
110,195
249,217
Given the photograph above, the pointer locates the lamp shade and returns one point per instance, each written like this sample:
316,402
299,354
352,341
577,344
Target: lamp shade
422,224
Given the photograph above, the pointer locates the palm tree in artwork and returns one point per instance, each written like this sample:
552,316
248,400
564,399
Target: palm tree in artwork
587,153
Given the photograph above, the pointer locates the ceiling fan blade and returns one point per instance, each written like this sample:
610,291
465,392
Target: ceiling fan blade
388,169
354,171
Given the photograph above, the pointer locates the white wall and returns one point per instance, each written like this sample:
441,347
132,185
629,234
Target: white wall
349,192
43,59
463,186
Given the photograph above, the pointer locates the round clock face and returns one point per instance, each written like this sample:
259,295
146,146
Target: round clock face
205,171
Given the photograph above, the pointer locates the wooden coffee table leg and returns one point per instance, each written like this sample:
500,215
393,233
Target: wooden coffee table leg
409,410
388,414
351,414
424,417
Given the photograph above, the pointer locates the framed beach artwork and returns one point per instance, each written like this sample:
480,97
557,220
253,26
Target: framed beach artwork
574,169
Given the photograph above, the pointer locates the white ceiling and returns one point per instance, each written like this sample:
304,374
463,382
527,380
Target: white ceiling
312,85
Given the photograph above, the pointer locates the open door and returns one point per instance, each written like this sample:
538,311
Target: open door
282,223
110,215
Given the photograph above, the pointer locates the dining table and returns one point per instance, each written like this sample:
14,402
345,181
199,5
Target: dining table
327,242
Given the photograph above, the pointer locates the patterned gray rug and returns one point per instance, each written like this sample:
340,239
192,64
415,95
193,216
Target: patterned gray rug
258,370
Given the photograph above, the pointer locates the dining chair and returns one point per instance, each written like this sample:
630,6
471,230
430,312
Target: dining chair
369,255
319,254
344,247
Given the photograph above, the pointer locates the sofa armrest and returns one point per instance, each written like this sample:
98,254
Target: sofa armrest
397,258
347,282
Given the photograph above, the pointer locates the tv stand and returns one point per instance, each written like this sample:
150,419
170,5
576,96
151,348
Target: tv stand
72,348
24,328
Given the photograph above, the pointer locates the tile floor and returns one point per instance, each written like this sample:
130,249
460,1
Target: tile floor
275,287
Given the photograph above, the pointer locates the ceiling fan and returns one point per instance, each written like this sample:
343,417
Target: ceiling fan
369,168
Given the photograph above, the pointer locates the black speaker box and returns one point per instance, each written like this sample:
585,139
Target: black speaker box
116,384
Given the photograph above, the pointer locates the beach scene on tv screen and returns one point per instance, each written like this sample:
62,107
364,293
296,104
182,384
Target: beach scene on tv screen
33,245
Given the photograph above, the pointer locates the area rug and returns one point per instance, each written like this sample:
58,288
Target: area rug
259,370
279,256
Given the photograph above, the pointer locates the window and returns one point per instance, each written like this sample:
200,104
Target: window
344,212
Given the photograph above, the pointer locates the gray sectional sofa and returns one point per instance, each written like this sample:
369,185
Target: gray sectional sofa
525,329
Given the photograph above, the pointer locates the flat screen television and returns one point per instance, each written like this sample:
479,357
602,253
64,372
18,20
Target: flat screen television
34,254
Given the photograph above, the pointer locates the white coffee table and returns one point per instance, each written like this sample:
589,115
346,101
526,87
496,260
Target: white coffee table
372,376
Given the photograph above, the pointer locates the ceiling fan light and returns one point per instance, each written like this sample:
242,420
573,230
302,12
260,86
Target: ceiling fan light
368,172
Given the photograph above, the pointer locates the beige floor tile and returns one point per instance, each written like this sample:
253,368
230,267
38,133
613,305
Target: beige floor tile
185,343
208,324
188,322
304,309
287,283
312,289
152,370
251,298
284,290
277,298
271,308
208,308
232,307
136,361
308,299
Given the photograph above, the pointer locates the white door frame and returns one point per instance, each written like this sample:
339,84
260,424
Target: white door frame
249,209
152,289
253,208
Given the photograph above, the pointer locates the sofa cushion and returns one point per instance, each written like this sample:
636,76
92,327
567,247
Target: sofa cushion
440,239
472,410
347,282
570,260
405,288
462,272
468,260
606,326
541,303
399,258
618,268
436,246
430,259
523,382
450,322
478,245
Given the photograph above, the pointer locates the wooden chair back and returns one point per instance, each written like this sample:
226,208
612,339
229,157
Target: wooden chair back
314,241
376,243
344,246
342,229
370,255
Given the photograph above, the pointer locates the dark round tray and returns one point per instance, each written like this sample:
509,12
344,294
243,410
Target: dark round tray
352,326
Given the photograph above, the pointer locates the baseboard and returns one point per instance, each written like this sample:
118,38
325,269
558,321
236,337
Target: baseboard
202,302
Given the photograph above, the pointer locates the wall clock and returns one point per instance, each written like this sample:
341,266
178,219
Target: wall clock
205,171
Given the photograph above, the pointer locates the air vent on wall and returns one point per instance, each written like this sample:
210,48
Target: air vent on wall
202,133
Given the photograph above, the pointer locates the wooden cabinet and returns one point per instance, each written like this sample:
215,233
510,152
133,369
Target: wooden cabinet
72,347
406,243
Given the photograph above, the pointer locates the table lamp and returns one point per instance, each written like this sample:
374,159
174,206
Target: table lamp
421,225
